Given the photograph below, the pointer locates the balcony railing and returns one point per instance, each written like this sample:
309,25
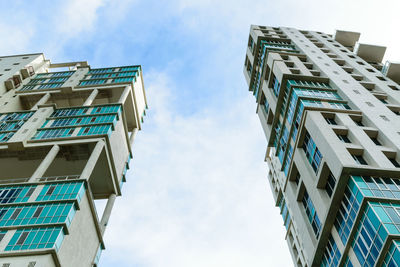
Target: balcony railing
49,80
110,76
69,122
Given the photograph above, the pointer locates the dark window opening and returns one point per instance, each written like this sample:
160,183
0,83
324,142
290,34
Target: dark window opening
297,179
330,184
37,212
344,138
50,190
22,238
394,162
30,192
15,214
376,142
359,159
331,121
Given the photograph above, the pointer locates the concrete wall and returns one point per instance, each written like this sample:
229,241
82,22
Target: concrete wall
80,246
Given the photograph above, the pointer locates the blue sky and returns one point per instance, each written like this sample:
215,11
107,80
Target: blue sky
197,193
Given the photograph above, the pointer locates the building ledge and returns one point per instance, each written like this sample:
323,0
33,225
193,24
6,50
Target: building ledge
370,53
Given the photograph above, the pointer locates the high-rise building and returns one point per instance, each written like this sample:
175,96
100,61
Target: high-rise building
330,111
66,132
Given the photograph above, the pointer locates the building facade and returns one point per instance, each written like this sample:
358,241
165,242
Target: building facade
66,132
330,111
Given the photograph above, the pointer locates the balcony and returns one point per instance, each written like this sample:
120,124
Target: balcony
370,53
45,81
347,38
10,123
75,122
392,71
107,76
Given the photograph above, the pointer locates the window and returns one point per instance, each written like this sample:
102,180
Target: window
359,123
37,212
36,238
311,213
73,190
50,190
394,162
359,159
332,254
22,238
297,178
383,101
15,214
2,212
376,142
330,184
2,234
344,138
331,121
312,153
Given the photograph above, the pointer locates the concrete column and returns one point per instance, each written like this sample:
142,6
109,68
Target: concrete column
45,164
94,156
132,137
91,97
41,101
107,212
124,94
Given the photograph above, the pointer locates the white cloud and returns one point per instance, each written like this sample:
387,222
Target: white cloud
16,38
77,16
198,192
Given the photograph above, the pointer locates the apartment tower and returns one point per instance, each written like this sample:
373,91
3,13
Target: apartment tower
330,111
66,132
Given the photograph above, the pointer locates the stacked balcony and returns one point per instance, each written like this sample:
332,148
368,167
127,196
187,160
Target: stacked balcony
10,123
46,81
74,122
265,47
37,216
107,76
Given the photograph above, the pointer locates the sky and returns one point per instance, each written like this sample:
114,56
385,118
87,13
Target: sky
197,192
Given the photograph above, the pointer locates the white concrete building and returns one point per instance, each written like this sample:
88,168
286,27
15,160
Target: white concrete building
66,132
330,112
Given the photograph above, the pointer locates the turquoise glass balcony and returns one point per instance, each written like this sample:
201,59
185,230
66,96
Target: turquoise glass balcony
265,47
62,123
103,76
49,80
37,214
16,194
378,219
36,238
12,122
392,257
62,191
